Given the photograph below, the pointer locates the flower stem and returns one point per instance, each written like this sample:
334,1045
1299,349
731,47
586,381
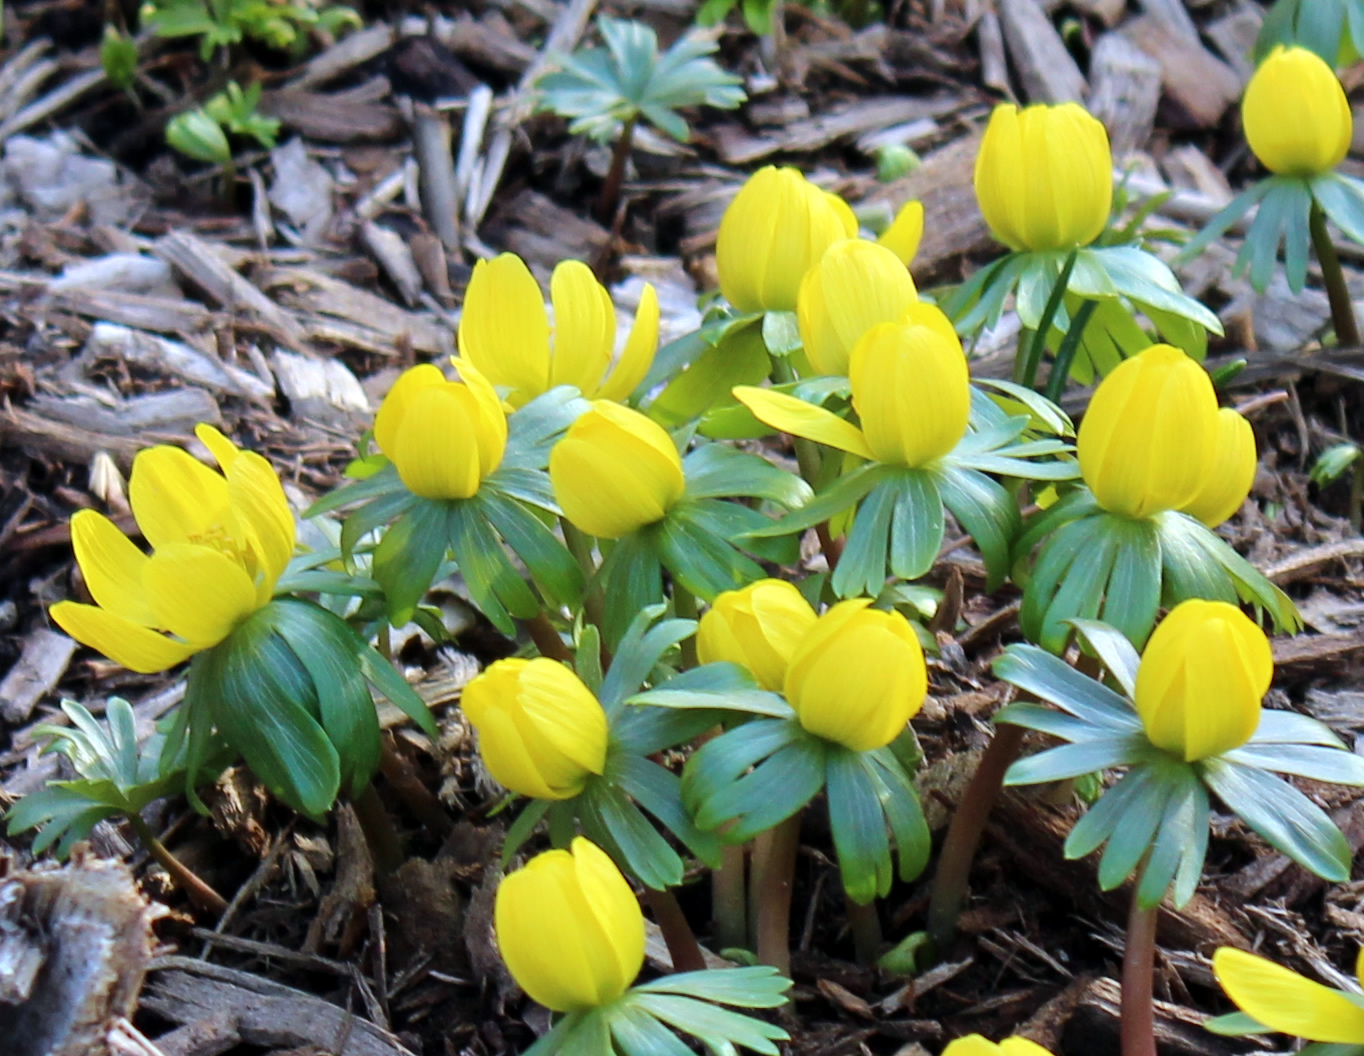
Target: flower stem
1038,343
1065,355
380,835
1138,1016
809,461
865,923
773,878
1356,508
615,175
677,933
684,604
1342,311
546,638
185,878
963,835
728,902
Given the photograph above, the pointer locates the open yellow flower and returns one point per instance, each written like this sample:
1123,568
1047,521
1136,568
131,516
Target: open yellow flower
758,627
219,543
976,1045
570,928
1232,474
855,286
1285,1001
443,436
1296,117
505,332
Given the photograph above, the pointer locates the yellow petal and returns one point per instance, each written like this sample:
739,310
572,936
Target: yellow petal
436,449
223,450
1021,1047
584,327
757,627
972,1045
175,497
1284,1001
1232,474
394,410
1296,117
855,286
638,354
258,498
504,329
617,913
799,418
112,567
136,647
492,416
906,232
504,753
198,593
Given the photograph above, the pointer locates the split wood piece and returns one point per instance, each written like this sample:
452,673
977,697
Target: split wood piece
165,315
75,943
432,139
49,104
332,118
994,64
395,257
40,666
351,51
163,356
487,43
1312,559
1094,1027
1109,12
1198,86
1317,648
169,414
42,438
1045,68
1234,36
1126,92
23,75
545,233
320,390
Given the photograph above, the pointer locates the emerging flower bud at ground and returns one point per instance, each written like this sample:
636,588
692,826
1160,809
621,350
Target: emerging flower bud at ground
443,436
776,229
219,543
858,676
615,471
1232,474
1285,1001
541,731
570,928
505,332
1201,680
757,627
1044,176
976,1045
1149,438
855,286
1296,117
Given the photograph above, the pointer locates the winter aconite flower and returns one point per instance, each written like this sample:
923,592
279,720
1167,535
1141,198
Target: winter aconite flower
976,1045
219,541
855,286
758,627
1044,176
541,732
1232,474
1284,1001
1297,119
570,928
1202,677
505,332
775,230
615,470
443,436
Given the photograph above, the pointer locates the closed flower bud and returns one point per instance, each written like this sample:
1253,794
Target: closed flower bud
911,388
858,676
614,471
1202,677
569,928
1148,441
1232,474
775,230
541,732
758,627
1044,176
905,232
1296,117
855,286
443,436
976,1045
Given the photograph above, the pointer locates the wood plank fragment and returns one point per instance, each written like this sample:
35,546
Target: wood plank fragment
1198,86
1127,85
40,666
1045,69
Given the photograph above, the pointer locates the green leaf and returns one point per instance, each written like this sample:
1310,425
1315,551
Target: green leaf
381,675
1068,581
521,829
1113,649
637,1033
639,651
740,358
558,575
716,471
1136,828
759,986
1135,790
1235,1025
1222,222
1132,594
781,335
659,791
861,569
775,790
916,532
988,512
196,135
1180,843
846,491
1049,720
406,559
614,823
631,576
1074,760
1145,279
532,430
717,685
1045,676
859,829
385,482
1288,727
494,584
1342,199
714,1026
704,563
1335,765
900,803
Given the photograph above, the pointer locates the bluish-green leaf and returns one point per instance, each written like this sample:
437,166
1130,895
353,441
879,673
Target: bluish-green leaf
858,826
717,471
1113,649
862,567
406,559
1073,760
1045,676
985,510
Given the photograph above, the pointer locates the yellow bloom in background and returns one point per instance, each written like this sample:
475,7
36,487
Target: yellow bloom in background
905,232
1044,176
758,627
505,332
975,1045
1232,473
219,543
858,676
855,285
1149,439
1285,1001
1296,117
570,928
443,436
541,731
775,230
1202,677
615,471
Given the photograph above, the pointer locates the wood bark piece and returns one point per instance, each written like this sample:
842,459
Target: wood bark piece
332,118
44,438
1094,1028
1126,92
1198,86
39,667
1234,36
164,356
353,50
166,315
375,322
320,390
1045,68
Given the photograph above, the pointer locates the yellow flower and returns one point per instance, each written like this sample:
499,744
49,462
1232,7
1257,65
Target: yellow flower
541,732
570,928
505,332
1149,439
757,627
858,676
1284,1001
905,232
975,1045
1295,113
1044,176
614,471
910,387
219,543
443,436
1233,471
774,231
1202,677
855,285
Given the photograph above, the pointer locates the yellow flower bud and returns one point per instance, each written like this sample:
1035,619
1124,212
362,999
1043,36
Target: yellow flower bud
614,471
758,627
911,388
443,436
1233,471
976,1045
775,230
570,928
1296,117
541,732
1202,677
858,676
1148,441
1044,176
855,285
905,232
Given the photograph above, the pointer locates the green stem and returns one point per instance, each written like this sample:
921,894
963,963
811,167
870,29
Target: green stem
384,844
684,604
773,879
865,923
728,903
810,462
1138,1016
1342,311
184,878
1065,355
580,546
1039,337
615,175
677,933
546,638
1356,508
